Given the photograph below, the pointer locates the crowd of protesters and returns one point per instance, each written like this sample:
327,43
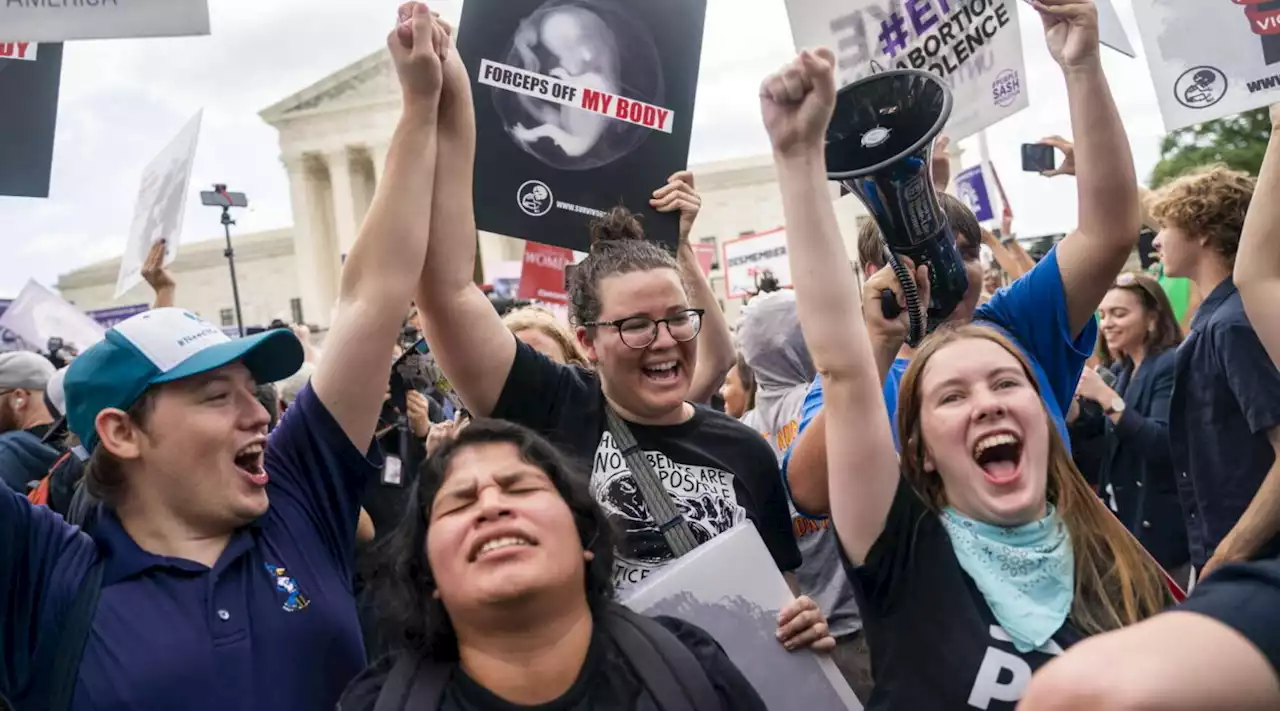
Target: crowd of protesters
442,506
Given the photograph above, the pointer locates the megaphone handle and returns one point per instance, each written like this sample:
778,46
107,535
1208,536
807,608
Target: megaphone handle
889,304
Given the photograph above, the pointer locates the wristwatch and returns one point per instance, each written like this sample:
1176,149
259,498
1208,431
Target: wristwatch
1117,407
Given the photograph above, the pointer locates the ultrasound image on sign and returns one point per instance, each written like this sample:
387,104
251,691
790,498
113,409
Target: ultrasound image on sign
581,105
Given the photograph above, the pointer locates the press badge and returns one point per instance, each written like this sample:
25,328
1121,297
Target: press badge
391,471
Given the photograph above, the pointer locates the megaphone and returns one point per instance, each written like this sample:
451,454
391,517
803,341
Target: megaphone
880,148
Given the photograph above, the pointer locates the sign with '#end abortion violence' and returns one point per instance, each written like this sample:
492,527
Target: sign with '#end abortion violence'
581,106
549,88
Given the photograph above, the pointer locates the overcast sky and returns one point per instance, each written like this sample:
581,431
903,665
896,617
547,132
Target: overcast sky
123,100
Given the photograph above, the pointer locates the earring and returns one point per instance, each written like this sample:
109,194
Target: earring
588,555
17,403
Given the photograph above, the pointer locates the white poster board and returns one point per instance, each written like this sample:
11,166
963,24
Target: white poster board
38,314
749,256
731,588
1210,59
45,21
975,46
162,199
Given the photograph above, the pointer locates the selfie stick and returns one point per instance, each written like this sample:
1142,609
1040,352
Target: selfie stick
219,197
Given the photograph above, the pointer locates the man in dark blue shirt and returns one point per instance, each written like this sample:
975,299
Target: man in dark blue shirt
226,556
1224,419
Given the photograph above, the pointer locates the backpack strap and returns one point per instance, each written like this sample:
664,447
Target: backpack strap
75,633
664,510
414,683
664,664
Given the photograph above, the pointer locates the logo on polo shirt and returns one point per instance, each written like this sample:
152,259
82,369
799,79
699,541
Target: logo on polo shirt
286,584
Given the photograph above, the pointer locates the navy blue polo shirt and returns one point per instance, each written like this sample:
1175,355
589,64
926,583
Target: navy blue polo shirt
272,625
1226,397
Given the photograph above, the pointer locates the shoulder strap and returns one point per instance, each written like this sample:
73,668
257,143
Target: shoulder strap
671,523
665,666
414,683
75,633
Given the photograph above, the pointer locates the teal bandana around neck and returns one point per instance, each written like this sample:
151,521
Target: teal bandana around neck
1026,573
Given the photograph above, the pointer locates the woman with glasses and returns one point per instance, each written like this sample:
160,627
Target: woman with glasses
637,312
1122,426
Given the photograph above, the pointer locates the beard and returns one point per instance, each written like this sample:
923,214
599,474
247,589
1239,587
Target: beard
9,421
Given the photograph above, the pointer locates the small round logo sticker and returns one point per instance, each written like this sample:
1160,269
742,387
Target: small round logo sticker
534,198
1200,87
875,137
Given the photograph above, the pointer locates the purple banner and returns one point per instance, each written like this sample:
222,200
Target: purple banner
116,314
971,186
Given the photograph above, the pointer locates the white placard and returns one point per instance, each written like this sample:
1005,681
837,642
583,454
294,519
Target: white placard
24,51
59,20
161,205
1210,59
749,256
974,45
38,314
731,588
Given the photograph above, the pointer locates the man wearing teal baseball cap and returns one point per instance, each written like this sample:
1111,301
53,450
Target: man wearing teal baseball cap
218,574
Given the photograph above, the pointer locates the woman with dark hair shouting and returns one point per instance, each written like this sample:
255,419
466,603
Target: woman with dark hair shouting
983,552
1123,426
498,588
639,314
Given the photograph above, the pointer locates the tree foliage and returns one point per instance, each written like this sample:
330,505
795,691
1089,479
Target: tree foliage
1238,142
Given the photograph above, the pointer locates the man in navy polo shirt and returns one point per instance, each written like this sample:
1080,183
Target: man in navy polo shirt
226,557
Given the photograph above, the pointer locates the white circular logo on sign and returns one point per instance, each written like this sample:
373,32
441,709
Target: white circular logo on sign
534,198
875,137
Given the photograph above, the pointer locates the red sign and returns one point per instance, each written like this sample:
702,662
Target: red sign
706,254
542,276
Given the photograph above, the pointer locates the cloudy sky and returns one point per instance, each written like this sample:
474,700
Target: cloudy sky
123,100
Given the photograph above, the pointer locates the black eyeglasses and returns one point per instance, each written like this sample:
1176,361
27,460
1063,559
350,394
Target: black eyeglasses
640,331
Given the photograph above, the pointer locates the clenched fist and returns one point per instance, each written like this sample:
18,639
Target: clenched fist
797,101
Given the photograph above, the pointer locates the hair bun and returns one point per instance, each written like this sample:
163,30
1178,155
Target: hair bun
617,225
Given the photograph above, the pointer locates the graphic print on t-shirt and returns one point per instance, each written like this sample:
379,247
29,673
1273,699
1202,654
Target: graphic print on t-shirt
704,496
1004,674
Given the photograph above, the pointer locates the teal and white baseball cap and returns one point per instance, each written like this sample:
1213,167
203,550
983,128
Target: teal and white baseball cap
162,346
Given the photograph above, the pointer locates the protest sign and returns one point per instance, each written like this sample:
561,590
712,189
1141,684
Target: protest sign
706,254
1211,59
29,81
971,187
748,257
581,105
161,204
58,20
111,316
542,276
731,588
974,45
38,314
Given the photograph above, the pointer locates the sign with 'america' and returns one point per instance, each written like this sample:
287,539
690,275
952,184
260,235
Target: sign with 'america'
58,20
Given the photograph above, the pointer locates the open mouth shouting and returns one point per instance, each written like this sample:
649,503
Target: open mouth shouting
249,460
999,454
500,544
667,371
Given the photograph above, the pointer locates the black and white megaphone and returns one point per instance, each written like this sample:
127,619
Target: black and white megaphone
880,148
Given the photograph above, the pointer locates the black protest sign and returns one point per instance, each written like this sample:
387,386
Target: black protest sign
581,105
29,97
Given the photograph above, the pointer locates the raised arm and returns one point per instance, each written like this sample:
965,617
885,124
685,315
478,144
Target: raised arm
1257,273
861,459
383,265
467,336
1108,221
716,353
159,278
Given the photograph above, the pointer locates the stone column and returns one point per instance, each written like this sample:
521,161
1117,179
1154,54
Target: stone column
306,239
344,199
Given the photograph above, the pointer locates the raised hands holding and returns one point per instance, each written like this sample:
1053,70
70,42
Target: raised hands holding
797,101
419,46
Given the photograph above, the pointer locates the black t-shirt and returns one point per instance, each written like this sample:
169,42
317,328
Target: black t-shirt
934,643
1246,598
719,471
606,682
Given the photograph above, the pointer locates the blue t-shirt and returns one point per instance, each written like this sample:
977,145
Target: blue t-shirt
1032,311
272,625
